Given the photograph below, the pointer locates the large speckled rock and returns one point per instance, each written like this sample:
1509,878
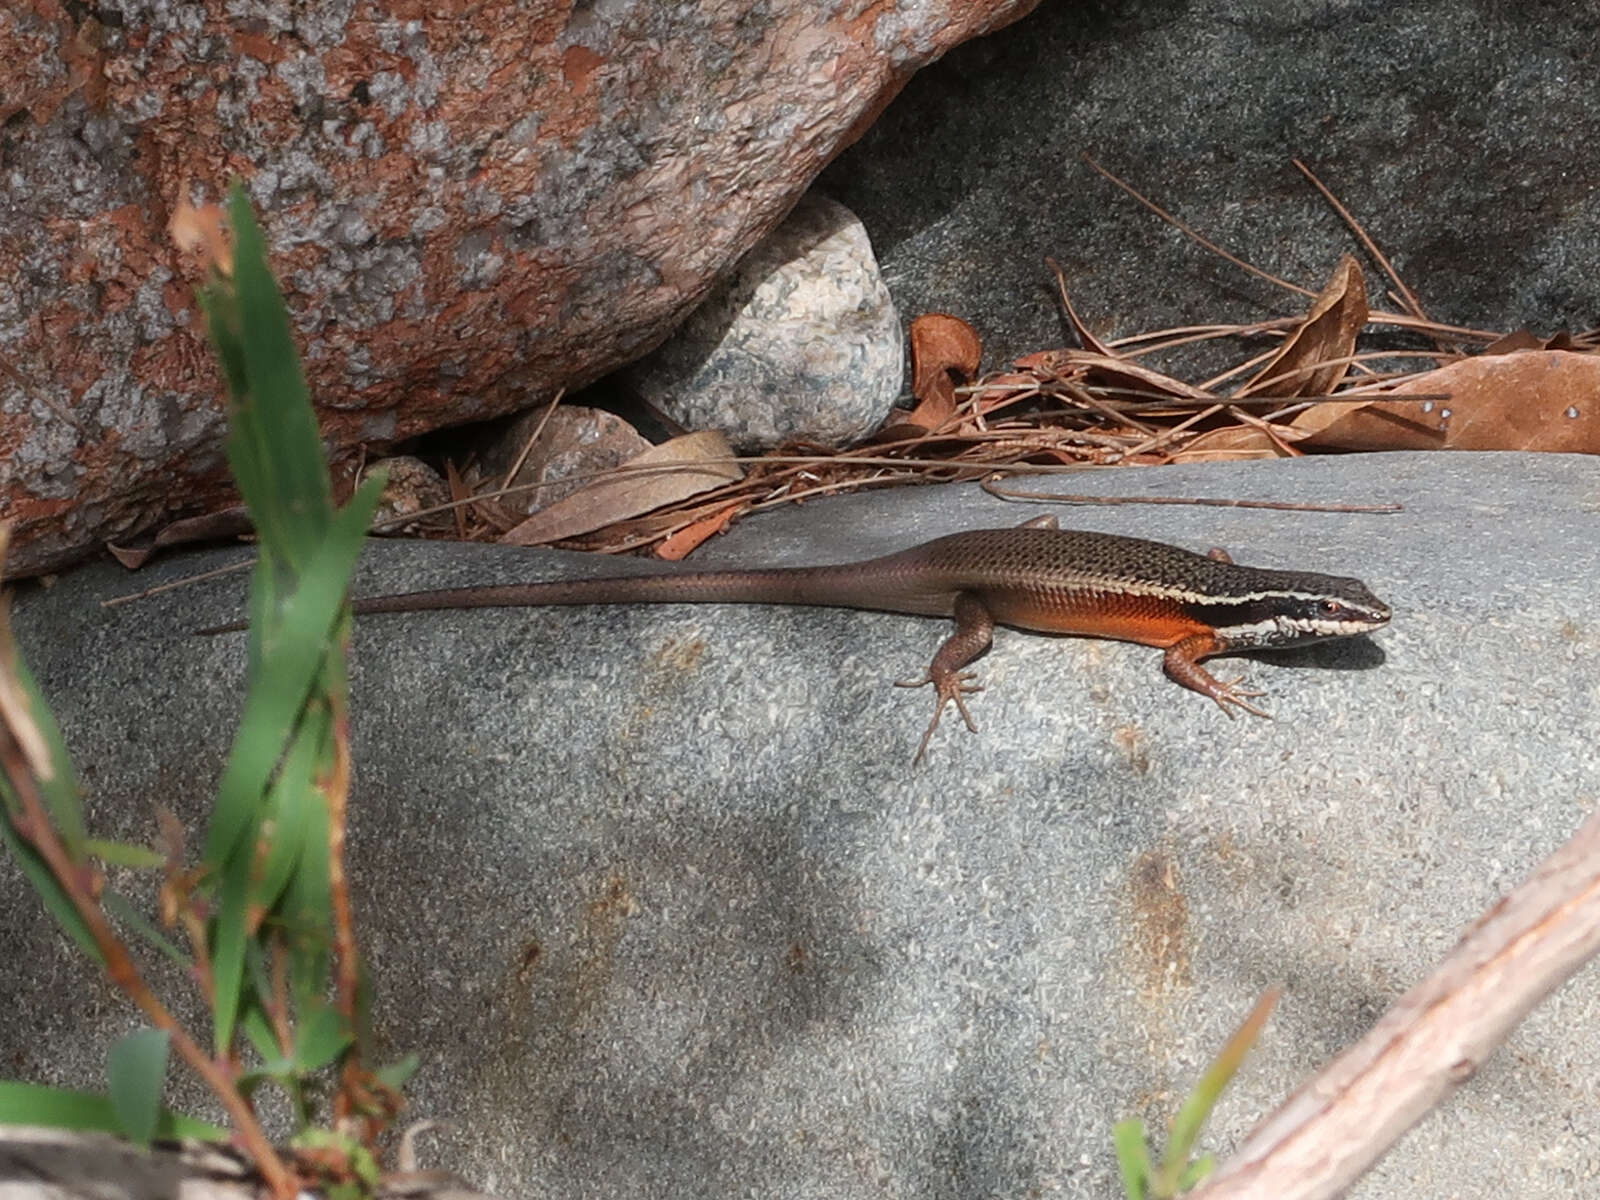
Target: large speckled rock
469,209
800,341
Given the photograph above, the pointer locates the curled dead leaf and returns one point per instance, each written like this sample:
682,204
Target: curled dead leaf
1314,359
212,527
682,467
687,539
1238,442
1115,373
945,352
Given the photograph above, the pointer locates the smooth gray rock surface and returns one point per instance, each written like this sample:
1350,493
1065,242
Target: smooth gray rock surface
661,901
1446,129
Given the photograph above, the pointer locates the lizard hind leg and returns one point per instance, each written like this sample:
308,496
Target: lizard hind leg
973,635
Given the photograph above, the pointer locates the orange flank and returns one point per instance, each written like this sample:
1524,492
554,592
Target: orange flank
1147,620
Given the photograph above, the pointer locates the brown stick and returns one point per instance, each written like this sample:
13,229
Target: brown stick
1430,1042
34,826
1202,501
1406,296
1211,246
347,971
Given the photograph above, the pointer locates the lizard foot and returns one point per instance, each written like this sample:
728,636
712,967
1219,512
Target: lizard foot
950,687
1229,692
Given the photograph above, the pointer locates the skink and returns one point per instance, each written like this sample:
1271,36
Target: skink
1035,577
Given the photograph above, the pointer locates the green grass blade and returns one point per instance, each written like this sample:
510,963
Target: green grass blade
273,1060
292,656
1195,1173
222,324
1197,1106
125,854
272,709
276,424
136,1074
57,1108
229,939
1133,1157
320,1038
43,881
288,808
117,905
396,1074
306,905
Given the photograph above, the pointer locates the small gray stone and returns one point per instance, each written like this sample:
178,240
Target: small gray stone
575,443
412,487
800,341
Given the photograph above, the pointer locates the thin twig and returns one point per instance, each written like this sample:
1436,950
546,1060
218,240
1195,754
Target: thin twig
533,438
1407,297
1183,334
1151,443
1277,329
1263,426
1347,359
1209,245
1203,501
1432,328
129,597
1088,400
1079,327
1239,369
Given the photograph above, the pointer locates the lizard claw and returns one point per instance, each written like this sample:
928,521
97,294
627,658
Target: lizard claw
950,687
1230,693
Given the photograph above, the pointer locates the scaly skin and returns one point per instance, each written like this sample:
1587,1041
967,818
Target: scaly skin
1035,577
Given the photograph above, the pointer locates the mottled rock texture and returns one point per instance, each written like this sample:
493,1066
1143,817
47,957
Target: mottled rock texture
800,341
468,209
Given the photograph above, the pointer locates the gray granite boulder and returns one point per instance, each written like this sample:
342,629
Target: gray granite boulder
1448,130
662,903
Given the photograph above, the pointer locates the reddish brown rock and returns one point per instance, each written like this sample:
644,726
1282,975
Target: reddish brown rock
468,208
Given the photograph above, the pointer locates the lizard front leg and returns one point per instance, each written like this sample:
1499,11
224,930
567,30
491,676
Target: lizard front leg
1182,665
973,635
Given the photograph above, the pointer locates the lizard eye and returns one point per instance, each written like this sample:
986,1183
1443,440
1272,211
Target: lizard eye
1329,608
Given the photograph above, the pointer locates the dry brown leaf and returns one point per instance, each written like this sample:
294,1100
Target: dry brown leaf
1326,336
1112,371
945,352
1521,339
229,523
681,544
1525,339
1310,423
1525,400
1236,442
199,231
708,463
